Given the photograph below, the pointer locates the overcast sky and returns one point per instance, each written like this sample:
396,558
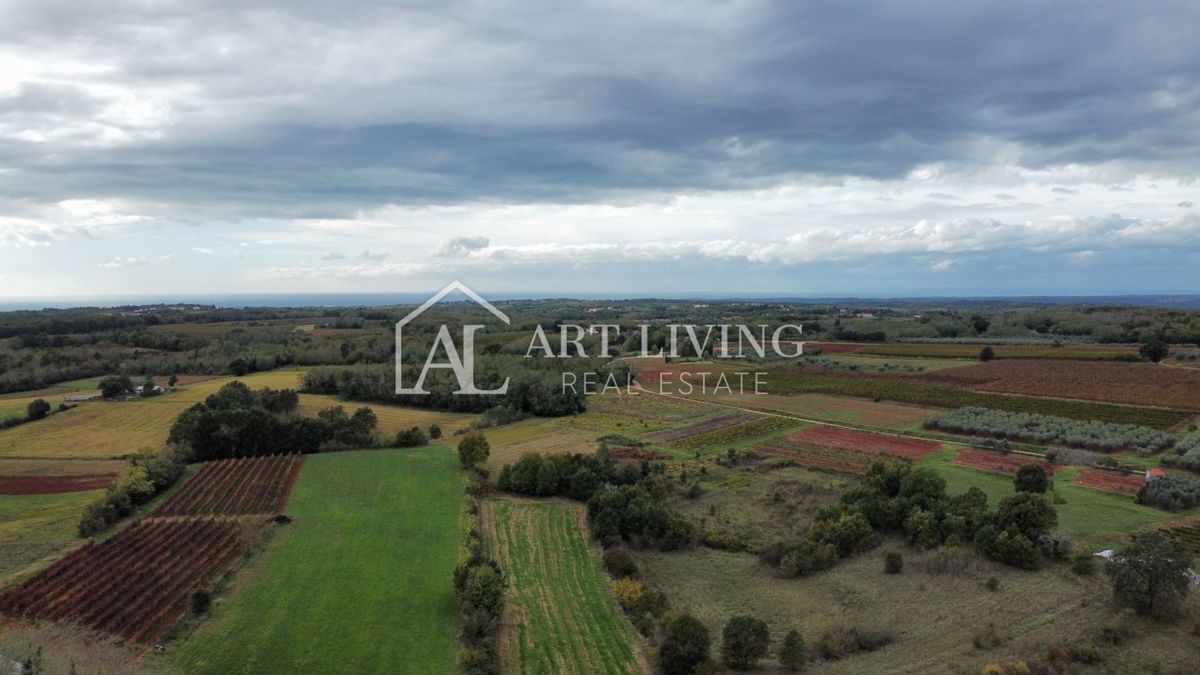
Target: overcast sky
810,148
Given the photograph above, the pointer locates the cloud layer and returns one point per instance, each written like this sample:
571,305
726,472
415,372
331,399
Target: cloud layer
219,144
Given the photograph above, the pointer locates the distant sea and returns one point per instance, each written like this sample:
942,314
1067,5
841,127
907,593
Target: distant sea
387,299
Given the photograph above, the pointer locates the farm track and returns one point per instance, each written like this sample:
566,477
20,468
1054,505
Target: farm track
257,485
136,585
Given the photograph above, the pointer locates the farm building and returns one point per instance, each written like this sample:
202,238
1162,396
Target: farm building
1151,474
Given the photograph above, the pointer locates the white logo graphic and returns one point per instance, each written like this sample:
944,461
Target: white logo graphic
464,366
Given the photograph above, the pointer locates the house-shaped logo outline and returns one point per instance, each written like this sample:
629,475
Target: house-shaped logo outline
455,285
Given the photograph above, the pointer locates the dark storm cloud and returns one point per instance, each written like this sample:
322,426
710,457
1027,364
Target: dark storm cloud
303,110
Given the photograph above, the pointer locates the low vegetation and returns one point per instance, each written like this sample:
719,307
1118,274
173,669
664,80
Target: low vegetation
1045,429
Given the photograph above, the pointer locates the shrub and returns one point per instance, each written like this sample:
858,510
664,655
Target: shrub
839,643
411,438
1046,429
1150,575
115,386
619,563
628,592
988,638
484,589
744,641
1083,564
201,602
793,653
685,645
992,584
893,562
1154,351
37,409
473,450
435,432
986,354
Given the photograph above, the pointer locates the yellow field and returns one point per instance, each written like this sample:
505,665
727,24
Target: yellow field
392,419
544,436
108,429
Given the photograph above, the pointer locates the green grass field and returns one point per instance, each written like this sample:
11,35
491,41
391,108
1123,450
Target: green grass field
360,581
37,528
1092,515
561,617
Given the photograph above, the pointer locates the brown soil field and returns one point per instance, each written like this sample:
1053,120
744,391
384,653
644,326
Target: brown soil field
995,462
912,449
48,485
1110,481
258,485
1109,381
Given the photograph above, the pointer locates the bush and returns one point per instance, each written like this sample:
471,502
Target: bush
685,645
115,386
1154,351
435,432
201,602
1083,564
619,563
1173,493
838,643
893,562
37,409
744,641
793,653
411,438
473,450
988,638
986,354
628,592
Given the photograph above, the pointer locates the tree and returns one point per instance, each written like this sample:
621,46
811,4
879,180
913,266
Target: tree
172,381
435,432
986,354
473,450
37,409
1154,351
239,366
744,641
115,386
148,387
980,324
484,588
1031,478
1031,515
685,645
1150,574
793,654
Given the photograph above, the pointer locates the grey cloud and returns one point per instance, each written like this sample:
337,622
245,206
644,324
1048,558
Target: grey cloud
463,245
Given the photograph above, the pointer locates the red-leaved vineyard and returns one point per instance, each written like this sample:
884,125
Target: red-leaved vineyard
236,487
135,585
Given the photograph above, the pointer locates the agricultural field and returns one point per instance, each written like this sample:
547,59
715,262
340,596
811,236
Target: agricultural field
998,463
366,565
112,429
816,456
971,351
259,485
1114,382
934,615
839,409
560,616
717,422
37,528
635,413
392,418
48,485
865,442
510,441
1188,533
135,585
1111,481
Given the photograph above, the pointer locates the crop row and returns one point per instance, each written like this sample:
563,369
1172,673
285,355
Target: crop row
1005,351
907,390
731,434
1035,428
135,585
1185,454
816,457
235,487
700,427
1189,535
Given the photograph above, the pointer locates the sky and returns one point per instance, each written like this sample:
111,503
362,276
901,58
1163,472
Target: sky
816,148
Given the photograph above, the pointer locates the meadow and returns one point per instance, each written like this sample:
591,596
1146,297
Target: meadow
560,616
37,528
359,581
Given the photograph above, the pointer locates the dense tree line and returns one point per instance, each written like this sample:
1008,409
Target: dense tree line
148,474
238,422
535,386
